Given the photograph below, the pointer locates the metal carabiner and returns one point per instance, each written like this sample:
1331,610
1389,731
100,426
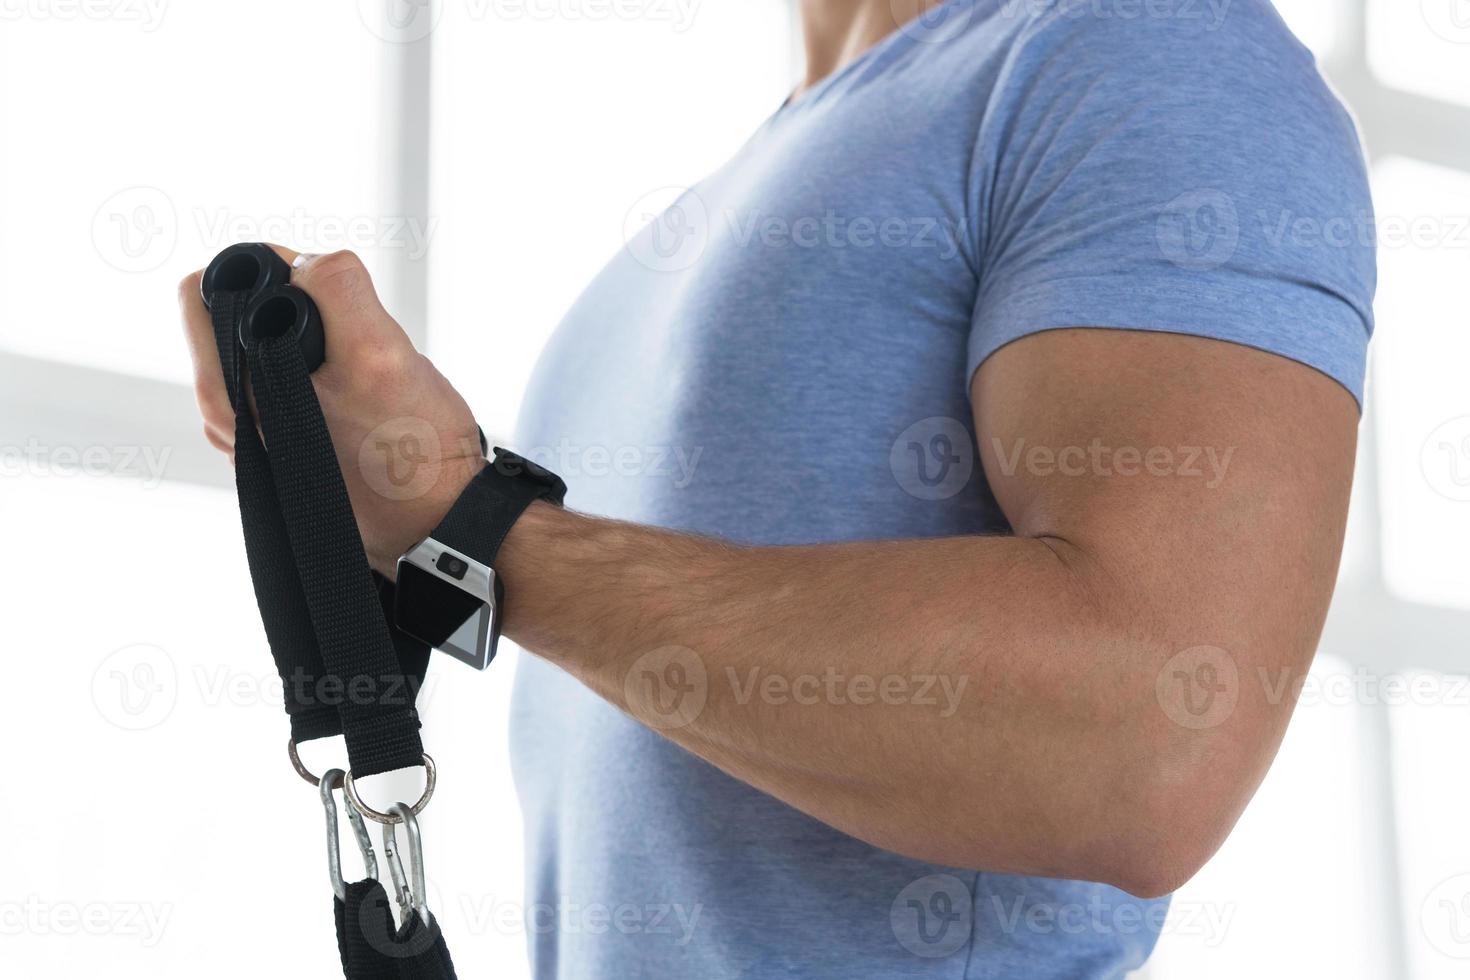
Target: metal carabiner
411,896
330,780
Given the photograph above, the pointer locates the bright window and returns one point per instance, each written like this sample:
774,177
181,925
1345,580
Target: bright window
137,148
1422,349
1422,46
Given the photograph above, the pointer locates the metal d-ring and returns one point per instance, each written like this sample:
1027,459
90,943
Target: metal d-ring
300,766
377,816
330,780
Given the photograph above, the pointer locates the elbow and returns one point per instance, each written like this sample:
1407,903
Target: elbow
1146,834
1177,789
1171,818
1151,876
1161,847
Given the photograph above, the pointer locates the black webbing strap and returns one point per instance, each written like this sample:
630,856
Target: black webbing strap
324,612
372,949
278,591
364,931
318,600
363,676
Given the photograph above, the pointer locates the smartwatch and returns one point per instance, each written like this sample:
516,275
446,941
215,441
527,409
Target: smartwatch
448,593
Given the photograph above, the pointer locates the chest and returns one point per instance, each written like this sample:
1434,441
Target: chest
762,344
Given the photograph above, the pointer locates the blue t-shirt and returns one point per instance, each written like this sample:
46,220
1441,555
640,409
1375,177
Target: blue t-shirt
783,356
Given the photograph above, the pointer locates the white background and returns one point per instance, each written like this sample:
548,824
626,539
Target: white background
149,825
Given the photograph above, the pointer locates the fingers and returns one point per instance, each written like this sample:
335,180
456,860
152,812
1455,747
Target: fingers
209,385
352,315
209,380
289,254
363,341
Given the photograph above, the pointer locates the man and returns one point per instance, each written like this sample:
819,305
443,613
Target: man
983,435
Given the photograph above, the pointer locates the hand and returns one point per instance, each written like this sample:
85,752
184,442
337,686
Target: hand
405,439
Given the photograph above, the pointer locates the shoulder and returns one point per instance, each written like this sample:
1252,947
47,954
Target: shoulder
1225,56
1154,28
1209,86
1172,164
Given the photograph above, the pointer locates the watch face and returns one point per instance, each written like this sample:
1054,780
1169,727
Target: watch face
449,602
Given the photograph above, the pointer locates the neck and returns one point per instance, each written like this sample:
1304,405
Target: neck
836,32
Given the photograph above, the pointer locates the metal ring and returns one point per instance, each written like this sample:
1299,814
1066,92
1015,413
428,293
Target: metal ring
300,766
350,788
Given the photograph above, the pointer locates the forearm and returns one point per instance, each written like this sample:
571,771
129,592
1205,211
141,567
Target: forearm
939,698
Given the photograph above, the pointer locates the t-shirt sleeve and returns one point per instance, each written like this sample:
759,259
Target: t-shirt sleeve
1193,176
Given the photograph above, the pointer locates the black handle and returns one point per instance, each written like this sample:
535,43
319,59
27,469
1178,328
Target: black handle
248,267
275,308
281,311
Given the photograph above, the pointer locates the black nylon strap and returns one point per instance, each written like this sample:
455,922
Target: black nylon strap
373,700
318,601
364,931
325,614
277,585
371,949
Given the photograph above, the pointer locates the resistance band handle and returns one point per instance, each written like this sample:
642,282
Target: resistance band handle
274,308
280,311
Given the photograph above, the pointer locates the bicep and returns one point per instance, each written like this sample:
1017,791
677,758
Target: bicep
1200,487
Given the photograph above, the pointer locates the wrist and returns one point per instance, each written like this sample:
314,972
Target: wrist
527,566
415,520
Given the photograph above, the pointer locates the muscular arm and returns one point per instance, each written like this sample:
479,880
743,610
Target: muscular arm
1096,697
1013,716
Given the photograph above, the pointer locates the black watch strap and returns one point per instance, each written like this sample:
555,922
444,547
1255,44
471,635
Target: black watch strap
489,507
